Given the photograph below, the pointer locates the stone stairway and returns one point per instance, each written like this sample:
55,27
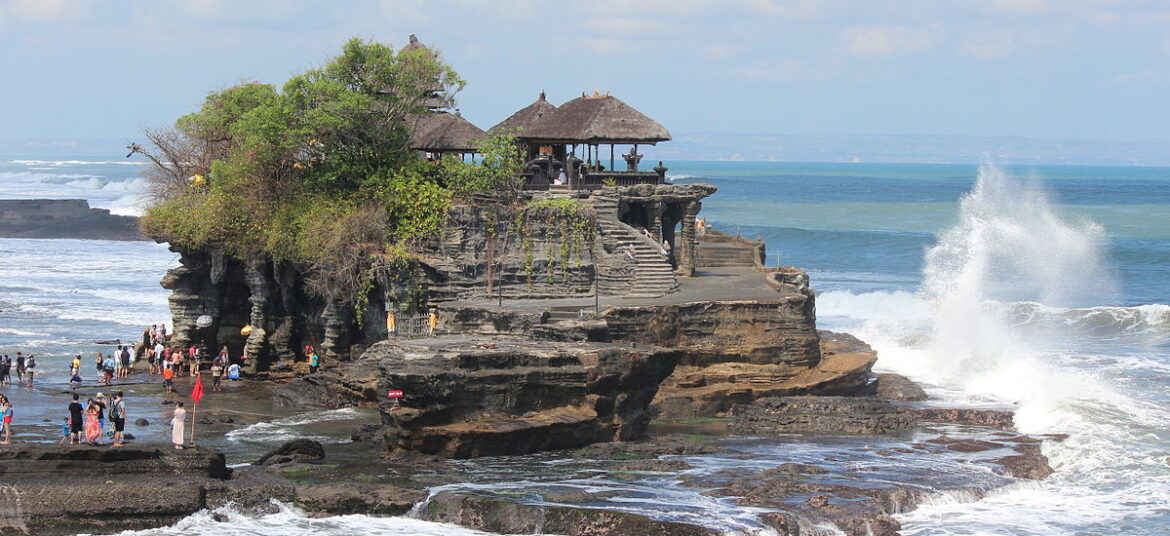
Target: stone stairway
653,273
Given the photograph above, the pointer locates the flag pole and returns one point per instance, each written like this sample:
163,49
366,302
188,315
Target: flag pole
194,407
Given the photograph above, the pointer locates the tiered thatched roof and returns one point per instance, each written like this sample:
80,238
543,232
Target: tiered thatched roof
434,99
525,117
440,132
595,119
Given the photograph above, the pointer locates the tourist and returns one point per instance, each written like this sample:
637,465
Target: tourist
30,366
168,380
5,370
125,359
314,363
177,361
93,427
216,375
150,359
160,351
19,368
75,366
99,364
66,431
162,333
108,368
118,417
233,372
193,356
101,415
177,423
152,335
75,421
5,419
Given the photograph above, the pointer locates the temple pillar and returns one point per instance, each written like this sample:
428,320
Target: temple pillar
688,242
655,210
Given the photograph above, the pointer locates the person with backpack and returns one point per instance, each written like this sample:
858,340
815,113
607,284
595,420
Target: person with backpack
118,417
30,368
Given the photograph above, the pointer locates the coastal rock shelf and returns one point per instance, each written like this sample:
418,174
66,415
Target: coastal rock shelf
463,399
63,218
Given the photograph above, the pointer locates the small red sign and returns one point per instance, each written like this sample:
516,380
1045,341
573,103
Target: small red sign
394,394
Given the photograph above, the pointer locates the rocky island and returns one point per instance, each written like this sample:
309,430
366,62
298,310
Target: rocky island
525,300
63,218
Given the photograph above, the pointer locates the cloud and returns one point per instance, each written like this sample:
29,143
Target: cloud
44,10
788,70
721,51
989,47
624,25
606,45
1016,8
870,41
1145,78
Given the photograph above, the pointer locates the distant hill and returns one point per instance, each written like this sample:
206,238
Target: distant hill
905,149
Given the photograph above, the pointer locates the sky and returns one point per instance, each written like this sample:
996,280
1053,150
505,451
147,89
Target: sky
1046,69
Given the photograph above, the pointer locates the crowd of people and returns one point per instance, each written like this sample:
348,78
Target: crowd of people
87,423
25,368
94,419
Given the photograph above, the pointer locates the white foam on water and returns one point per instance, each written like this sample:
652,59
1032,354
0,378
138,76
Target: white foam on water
293,427
291,521
1009,301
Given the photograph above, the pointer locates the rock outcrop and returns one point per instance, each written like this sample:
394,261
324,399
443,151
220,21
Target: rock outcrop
462,399
507,517
63,218
820,415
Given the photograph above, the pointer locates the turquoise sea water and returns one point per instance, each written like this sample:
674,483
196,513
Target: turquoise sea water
1042,288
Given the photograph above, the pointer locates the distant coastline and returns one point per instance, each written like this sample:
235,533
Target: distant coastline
63,218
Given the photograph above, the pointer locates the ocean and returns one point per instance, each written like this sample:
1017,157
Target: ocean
1043,288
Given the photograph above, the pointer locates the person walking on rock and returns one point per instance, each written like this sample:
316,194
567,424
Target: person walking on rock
75,419
118,417
177,425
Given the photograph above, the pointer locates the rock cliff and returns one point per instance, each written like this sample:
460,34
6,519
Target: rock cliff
462,399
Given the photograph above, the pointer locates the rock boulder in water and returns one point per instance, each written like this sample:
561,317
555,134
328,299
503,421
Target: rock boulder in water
295,451
355,498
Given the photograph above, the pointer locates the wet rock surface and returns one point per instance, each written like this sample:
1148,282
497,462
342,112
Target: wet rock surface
820,415
507,517
357,498
64,489
295,451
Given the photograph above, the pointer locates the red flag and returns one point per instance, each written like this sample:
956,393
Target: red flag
197,391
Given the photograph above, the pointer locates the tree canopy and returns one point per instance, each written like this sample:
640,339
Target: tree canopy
319,171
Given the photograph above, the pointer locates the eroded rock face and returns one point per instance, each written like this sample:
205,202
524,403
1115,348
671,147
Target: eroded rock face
463,399
711,391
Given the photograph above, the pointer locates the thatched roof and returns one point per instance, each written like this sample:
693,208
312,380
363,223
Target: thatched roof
596,119
527,116
434,98
439,132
